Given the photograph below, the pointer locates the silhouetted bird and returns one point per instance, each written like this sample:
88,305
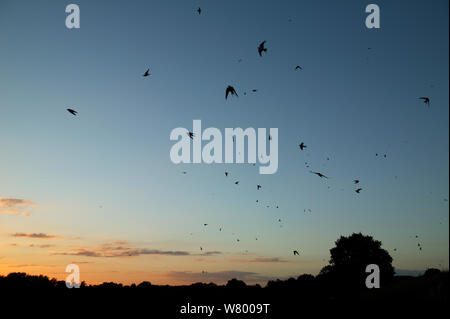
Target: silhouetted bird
184,172
199,10
319,174
255,90
358,190
356,181
261,48
296,253
258,187
147,73
201,248
226,173
298,67
237,182
191,135
231,90
205,224
425,99
302,146
73,112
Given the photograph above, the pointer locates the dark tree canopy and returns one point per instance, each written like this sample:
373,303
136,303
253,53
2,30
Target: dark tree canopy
350,257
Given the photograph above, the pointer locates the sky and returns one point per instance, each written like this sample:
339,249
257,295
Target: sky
99,189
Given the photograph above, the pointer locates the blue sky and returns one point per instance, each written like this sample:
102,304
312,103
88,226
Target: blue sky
106,175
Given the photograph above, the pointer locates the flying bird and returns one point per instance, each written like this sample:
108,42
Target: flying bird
226,173
237,182
319,174
425,99
296,253
199,10
258,187
147,73
358,190
191,135
255,90
73,112
205,224
356,181
298,67
302,146
261,48
230,90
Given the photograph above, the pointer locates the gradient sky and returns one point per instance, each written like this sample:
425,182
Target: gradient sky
100,189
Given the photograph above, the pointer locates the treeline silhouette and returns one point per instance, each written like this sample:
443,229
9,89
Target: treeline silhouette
342,280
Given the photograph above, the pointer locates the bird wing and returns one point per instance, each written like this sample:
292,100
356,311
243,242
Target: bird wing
227,91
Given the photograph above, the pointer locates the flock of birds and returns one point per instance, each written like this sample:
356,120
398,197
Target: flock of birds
231,91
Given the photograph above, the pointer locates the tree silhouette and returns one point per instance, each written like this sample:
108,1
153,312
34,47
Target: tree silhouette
349,259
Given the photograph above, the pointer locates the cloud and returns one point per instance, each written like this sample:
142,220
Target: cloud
31,265
12,211
14,206
210,253
260,260
42,246
267,260
35,235
111,250
15,202
219,277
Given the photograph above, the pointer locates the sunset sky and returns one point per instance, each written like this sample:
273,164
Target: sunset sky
100,190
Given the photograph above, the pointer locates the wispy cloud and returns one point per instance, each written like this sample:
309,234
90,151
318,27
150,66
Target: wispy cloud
15,206
210,253
15,202
36,235
112,250
42,246
268,260
11,211
260,260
